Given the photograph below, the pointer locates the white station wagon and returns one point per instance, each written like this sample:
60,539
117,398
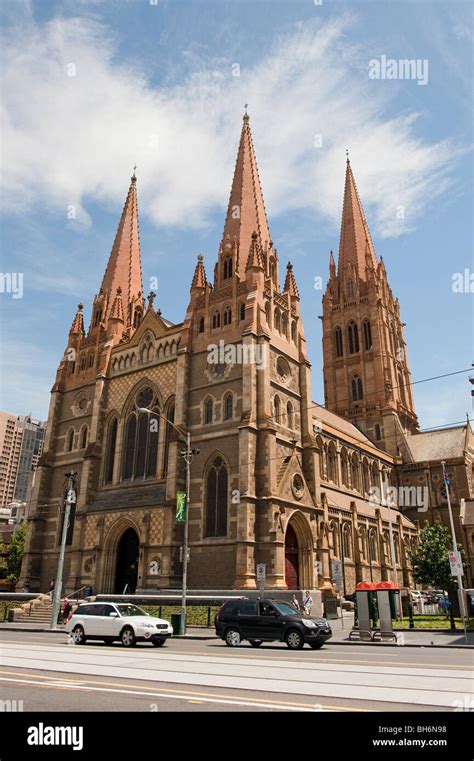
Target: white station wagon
117,621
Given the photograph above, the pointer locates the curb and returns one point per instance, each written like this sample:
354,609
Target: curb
204,637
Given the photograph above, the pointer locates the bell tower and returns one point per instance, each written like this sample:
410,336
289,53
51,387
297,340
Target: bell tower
366,373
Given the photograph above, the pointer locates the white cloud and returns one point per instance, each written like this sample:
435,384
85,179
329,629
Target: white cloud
70,139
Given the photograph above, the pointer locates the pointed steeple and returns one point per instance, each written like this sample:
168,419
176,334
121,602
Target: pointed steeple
290,282
254,260
332,265
355,245
199,279
246,211
77,327
124,265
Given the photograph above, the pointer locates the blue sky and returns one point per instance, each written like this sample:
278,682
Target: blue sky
92,87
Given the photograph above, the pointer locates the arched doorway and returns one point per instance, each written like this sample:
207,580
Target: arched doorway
291,559
126,573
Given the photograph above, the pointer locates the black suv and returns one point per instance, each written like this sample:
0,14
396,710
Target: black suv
265,620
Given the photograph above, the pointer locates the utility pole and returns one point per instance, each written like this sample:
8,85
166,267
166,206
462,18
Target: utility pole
462,608
70,500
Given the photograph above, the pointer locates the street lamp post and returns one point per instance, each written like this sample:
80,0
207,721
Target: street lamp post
70,500
188,455
462,608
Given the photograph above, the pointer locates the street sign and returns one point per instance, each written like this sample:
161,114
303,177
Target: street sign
71,497
261,572
455,562
181,507
336,573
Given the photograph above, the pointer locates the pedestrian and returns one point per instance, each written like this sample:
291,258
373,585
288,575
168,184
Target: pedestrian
295,602
51,589
308,603
67,607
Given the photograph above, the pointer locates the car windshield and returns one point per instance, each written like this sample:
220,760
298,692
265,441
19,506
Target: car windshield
283,607
131,610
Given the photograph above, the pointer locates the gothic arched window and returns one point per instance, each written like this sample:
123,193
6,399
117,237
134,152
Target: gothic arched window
70,440
284,325
277,320
84,437
353,337
289,415
82,364
137,317
228,407
367,335
277,408
344,467
356,388
338,342
355,472
378,432
365,477
332,464
350,289
98,317
201,325
216,499
208,411
141,438
242,311
227,316
227,267
90,362
216,320
293,331
110,451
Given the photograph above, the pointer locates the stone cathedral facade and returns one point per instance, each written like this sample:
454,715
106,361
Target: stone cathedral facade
279,479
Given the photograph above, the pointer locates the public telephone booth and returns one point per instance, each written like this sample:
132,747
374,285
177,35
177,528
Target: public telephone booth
387,607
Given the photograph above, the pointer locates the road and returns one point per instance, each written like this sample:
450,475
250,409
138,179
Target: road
47,674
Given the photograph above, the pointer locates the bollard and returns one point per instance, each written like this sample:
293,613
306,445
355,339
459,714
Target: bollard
209,615
159,612
410,617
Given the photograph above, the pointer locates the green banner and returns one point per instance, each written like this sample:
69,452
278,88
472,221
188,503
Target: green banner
181,506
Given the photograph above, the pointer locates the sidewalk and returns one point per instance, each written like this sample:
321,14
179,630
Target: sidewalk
340,635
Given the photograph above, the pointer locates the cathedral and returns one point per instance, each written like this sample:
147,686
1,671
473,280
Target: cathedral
279,479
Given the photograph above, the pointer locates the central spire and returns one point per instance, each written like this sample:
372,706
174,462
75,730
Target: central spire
355,242
123,271
246,211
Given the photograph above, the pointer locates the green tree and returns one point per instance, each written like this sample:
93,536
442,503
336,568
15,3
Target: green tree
13,554
430,558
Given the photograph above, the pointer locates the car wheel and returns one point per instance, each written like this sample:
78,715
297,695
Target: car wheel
79,636
158,642
232,638
255,642
128,637
294,639
316,645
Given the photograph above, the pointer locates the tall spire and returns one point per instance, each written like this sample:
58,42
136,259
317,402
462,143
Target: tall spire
246,211
355,244
77,327
124,265
290,282
199,279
